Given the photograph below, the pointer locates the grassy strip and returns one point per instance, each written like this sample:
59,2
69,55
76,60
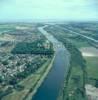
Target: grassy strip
29,84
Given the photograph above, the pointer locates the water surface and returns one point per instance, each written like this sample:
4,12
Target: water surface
50,88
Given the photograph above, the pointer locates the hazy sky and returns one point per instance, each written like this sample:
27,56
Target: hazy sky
26,10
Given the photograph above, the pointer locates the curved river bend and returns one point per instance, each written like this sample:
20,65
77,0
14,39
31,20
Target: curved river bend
50,88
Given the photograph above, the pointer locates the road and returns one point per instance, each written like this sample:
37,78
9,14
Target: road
87,37
50,88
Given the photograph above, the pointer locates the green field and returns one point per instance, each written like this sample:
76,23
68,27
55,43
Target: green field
92,66
92,69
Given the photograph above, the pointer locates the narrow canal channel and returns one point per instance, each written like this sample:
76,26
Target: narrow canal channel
49,90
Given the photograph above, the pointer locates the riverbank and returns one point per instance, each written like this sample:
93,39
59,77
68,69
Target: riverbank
30,83
40,81
74,85
75,80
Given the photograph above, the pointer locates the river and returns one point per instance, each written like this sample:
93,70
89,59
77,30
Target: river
50,88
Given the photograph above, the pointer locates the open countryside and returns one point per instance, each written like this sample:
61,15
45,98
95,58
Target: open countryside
33,55
48,49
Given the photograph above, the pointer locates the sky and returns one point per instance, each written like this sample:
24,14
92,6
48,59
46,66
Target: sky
35,10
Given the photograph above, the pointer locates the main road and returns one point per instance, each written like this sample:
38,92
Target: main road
50,88
77,33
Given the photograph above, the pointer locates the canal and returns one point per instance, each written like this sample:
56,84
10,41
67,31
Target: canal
50,88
